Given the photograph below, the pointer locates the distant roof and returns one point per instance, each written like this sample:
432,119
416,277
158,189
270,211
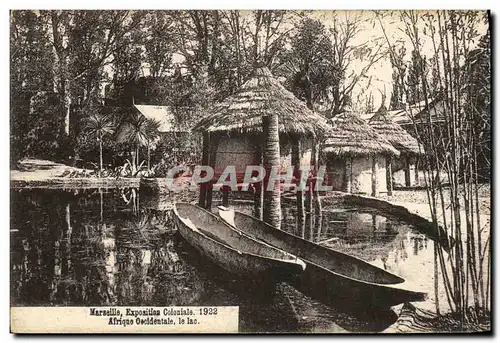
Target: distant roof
162,114
394,133
351,135
415,113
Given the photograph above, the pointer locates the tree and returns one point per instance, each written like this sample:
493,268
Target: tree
98,126
139,131
477,70
271,159
32,104
417,68
451,144
398,78
311,63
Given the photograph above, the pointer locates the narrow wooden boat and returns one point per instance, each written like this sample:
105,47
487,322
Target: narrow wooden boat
330,276
231,249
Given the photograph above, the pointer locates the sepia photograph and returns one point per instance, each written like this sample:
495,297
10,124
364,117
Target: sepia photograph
250,171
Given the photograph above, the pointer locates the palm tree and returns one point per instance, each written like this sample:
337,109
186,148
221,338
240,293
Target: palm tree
271,158
140,131
98,126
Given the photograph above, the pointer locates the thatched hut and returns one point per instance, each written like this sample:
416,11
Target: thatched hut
233,132
355,155
236,122
403,169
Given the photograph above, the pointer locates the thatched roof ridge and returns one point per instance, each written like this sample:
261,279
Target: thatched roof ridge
350,135
262,95
394,133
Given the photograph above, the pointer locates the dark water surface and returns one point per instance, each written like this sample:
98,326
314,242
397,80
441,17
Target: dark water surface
99,247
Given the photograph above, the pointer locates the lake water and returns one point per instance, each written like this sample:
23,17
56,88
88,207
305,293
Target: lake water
99,247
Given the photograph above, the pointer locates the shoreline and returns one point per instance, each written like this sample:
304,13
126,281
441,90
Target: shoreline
83,182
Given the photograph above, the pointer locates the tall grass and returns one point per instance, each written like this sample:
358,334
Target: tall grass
448,124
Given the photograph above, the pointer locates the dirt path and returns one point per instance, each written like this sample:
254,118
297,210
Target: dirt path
34,173
40,170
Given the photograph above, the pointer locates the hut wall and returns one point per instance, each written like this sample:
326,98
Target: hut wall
240,151
398,172
307,145
286,152
361,175
381,174
235,151
336,169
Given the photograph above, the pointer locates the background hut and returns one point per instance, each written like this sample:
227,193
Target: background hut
355,155
402,170
233,130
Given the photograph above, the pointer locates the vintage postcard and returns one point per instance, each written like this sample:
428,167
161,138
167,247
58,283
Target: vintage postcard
264,171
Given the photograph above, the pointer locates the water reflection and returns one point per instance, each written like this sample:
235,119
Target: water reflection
109,247
94,247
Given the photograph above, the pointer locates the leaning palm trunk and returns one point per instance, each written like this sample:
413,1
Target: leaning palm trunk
272,201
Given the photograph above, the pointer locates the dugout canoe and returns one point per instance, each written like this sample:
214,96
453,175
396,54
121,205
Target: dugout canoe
231,249
330,276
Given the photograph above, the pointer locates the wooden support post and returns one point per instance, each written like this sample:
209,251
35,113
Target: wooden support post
202,202
225,196
348,175
388,174
271,154
258,196
301,211
211,162
315,199
416,170
407,171
374,176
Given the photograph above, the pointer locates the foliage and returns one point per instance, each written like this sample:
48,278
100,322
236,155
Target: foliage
311,59
98,126
450,136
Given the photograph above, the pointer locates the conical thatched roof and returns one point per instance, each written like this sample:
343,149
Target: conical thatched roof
351,135
395,134
262,95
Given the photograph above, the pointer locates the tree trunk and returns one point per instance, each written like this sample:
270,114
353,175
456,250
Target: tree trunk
133,160
348,175
416,171
204,161
272,200
301,213
100,157
388,175
225,196
315,162
259,189
407,172
149,157
137,158
214,141
374,176
67,116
